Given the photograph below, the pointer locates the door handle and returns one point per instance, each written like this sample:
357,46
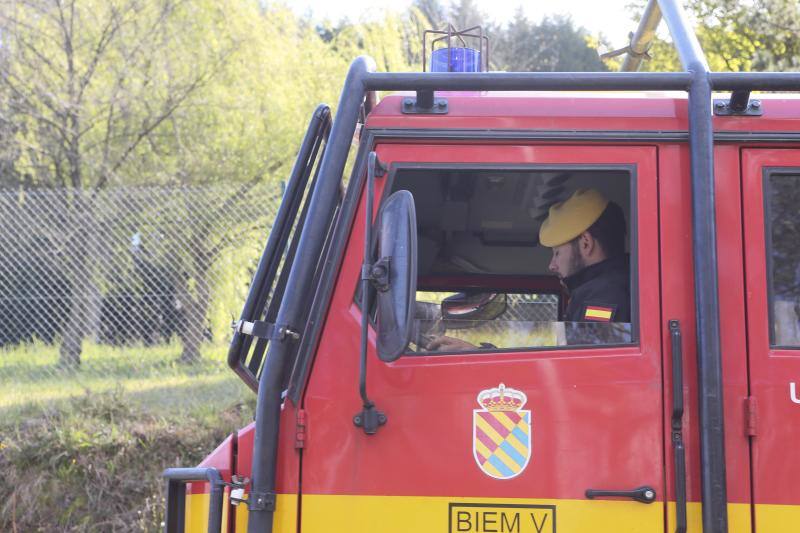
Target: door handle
641,494
677,426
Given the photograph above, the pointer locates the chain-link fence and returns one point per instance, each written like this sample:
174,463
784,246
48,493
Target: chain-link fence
136,286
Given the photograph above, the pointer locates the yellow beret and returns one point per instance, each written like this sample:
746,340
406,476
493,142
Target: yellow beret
568,219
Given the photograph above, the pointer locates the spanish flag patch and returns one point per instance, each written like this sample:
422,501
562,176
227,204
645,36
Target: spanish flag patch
598,313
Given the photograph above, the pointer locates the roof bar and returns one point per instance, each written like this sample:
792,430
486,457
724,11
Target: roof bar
528,81
755,81
579,81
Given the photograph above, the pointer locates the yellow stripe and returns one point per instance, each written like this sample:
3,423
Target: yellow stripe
503,419
508,461
197,514
597,313
489,467
521,447
489,430
738,518
777,518
400,514
481,447
197,511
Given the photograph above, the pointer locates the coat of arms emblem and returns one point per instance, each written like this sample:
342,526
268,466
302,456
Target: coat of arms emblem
501,432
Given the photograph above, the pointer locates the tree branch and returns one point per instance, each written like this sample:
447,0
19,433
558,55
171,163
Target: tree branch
148,128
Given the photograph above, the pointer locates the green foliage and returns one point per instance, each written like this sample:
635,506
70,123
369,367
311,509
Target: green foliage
174,92
395,42
738,36
466,14
434,12
553,45
95,463
194,92
159,91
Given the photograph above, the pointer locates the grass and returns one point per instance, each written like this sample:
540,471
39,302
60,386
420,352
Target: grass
149,375
84,450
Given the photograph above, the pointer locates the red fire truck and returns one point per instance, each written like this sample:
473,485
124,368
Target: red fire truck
686,417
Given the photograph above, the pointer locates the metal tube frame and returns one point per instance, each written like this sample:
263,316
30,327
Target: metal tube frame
174,519
276,244
696,80
643,38
261,501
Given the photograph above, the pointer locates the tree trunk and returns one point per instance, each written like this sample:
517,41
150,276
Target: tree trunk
80,271
69,357
192,330
74,330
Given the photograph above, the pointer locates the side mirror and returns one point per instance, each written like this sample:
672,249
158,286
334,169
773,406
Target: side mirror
397,266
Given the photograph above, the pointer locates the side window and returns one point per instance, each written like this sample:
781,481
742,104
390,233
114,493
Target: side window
515,258
487,319
782,193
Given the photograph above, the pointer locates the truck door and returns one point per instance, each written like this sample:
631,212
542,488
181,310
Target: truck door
542,425
771,197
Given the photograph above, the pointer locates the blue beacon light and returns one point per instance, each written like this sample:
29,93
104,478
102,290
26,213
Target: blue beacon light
461,60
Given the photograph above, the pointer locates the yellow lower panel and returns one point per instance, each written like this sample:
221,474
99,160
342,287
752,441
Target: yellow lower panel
738,518
390,514
777,518
403,514
197,514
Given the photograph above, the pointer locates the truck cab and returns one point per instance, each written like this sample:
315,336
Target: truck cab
679,415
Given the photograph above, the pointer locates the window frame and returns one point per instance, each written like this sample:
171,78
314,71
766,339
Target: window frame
768,172
633,236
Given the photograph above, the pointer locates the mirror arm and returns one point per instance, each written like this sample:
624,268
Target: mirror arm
378,274
369,418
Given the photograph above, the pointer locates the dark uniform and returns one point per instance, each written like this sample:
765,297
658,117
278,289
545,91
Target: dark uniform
599,294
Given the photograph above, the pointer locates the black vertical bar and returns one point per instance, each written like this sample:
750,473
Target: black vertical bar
176,505
278,291
704,246
709,353
678,449
677,374
679,452
372,163
312,240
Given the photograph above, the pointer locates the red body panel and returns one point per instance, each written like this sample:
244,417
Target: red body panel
678,304
288,471
579,111
776,463
596,412
733,336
